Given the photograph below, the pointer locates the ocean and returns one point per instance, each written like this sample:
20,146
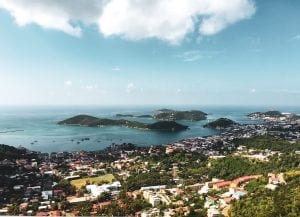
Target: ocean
35,127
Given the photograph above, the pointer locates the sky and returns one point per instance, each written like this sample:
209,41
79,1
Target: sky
150,52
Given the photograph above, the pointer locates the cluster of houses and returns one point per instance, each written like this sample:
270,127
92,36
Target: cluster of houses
37,180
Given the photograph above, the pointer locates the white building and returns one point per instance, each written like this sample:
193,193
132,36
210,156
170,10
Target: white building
96,190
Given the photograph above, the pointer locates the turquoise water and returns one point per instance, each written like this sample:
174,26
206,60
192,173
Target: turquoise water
35,127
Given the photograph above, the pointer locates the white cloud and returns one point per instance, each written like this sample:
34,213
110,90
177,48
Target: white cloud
130,88
296,37
60,15
190,56
253,90
168,20
195,55
68,83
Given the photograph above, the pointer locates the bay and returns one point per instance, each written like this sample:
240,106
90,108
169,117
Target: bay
35,127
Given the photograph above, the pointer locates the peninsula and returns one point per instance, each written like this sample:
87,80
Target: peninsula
91,121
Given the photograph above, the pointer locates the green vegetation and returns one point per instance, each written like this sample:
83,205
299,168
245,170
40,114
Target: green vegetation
11,153
268,142
90,121
124,207
78,183
220,123
172,115
283,202
231,167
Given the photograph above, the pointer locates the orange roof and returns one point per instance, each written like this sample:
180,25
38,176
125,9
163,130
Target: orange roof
245,179
222,184
228,199
42,214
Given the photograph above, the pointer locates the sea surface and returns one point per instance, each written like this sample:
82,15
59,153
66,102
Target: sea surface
35,127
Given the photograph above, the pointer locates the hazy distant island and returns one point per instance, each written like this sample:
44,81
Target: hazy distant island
171,115
91,121
274,116
133,116
221,123
261,115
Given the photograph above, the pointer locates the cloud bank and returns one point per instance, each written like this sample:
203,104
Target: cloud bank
167,20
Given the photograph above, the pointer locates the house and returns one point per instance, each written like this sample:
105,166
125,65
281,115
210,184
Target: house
271,186
220,185
238,194
210,201
276,178
96,190
154,212
55,213
225,201
213,212
46,195
42,214
236,182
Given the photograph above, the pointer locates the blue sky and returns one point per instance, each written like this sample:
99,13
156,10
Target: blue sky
246,53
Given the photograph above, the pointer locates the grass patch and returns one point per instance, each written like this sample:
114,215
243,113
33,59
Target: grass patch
78,183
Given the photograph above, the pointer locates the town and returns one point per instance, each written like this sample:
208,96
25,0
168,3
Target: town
203,176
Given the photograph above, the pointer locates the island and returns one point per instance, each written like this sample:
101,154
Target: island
172,115
91,121
133,116
274,116
262,115
221,123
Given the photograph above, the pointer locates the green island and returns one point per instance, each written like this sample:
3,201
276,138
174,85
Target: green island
272,114
169,114
90,121
220,123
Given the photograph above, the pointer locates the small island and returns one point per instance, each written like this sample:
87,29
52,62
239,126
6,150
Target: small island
220,123
268,114
172,115
91,121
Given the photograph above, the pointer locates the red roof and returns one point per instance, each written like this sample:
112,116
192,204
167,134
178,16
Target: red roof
42,214
222,184
245,179
228,199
